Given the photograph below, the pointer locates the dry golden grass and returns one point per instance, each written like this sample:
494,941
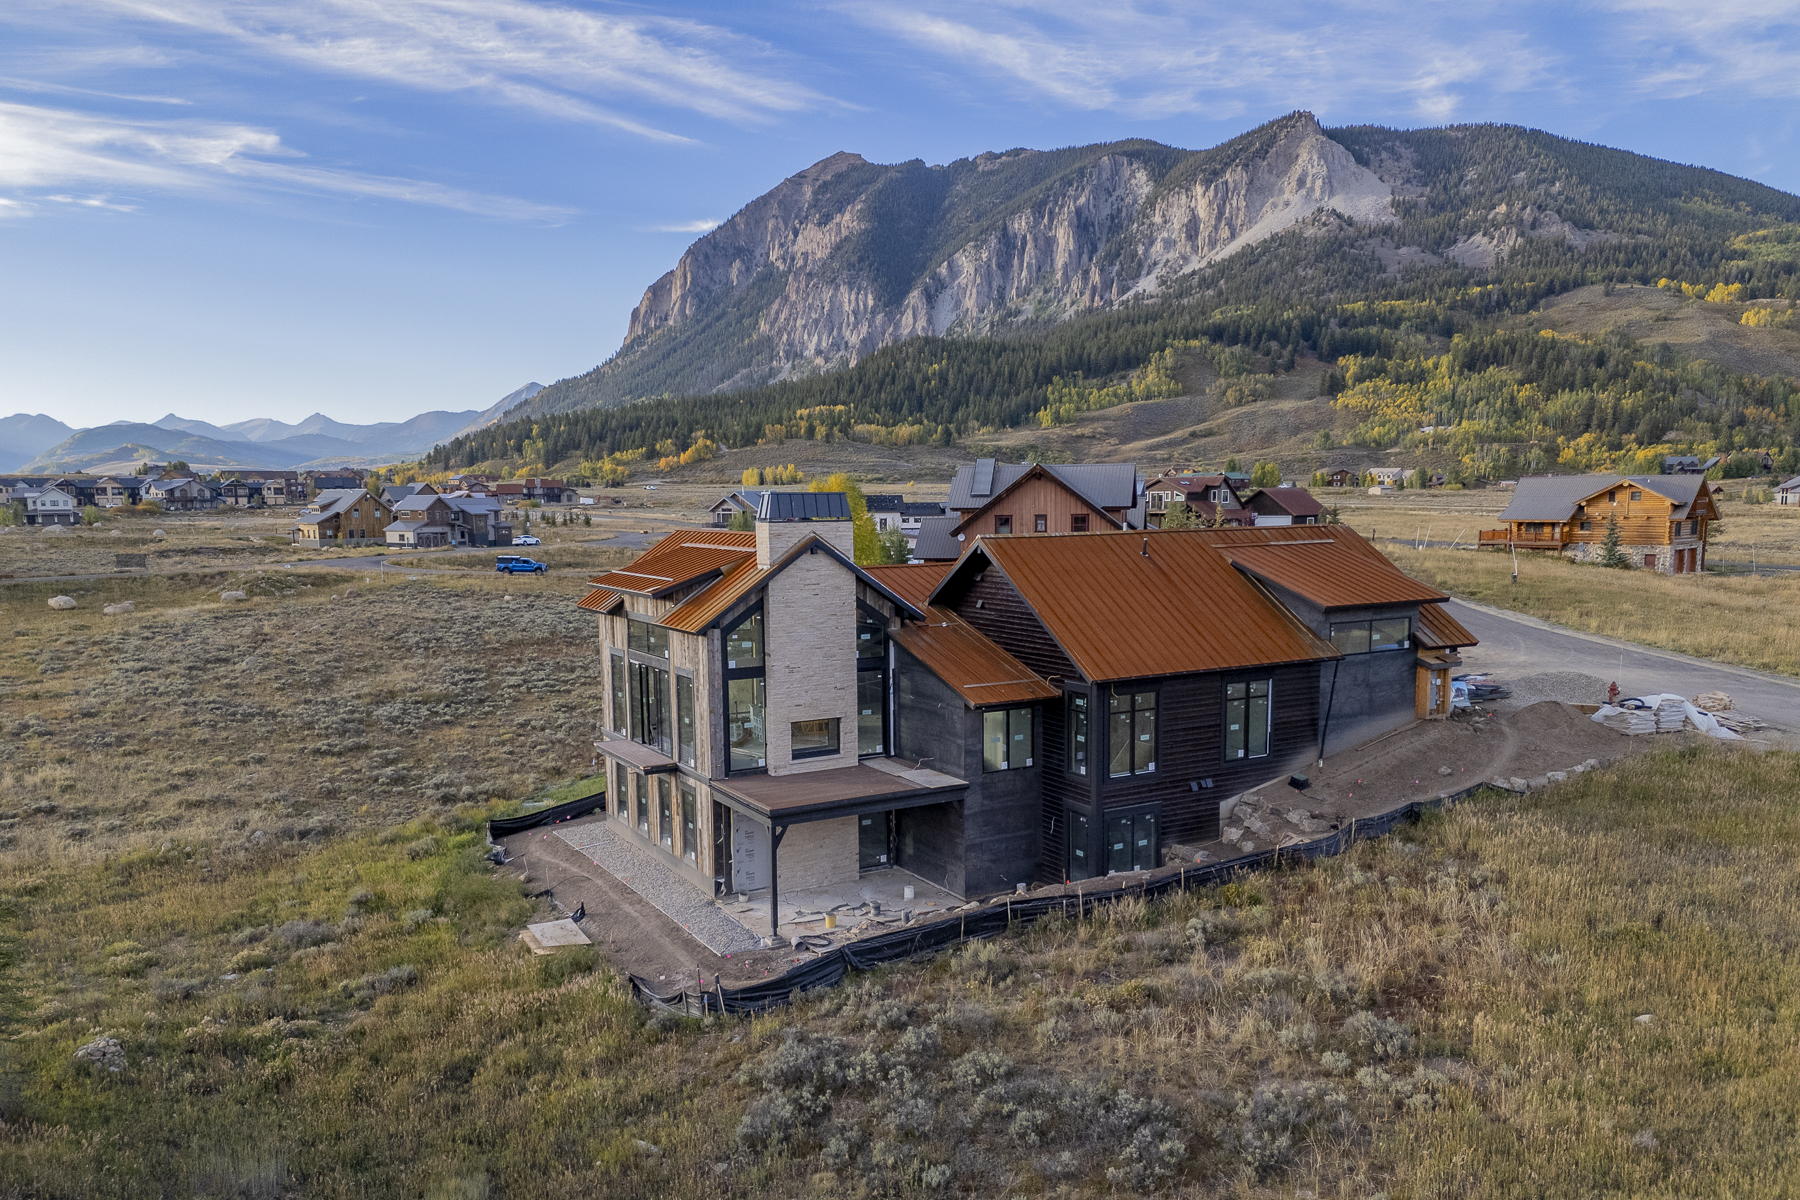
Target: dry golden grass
1448,1011
1750,621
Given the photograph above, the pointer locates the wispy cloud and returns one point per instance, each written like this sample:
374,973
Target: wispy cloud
703,225
44,147
1680,49
1151,60
560,61
63,89
101,202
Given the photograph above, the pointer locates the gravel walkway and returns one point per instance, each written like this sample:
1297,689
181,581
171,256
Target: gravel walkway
673,896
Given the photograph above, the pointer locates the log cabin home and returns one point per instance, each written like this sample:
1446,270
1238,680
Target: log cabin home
1043,709
1662,519
425,519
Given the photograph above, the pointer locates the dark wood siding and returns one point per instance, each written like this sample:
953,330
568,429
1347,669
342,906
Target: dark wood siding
1004,617
1191,748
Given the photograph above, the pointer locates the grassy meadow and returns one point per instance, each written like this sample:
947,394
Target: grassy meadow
1453,1010
1752,621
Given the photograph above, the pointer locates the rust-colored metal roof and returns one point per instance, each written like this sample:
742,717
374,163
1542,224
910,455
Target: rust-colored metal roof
914,583
600,600
963,657
1331,565
1438,630
680,559
1121,613
700,610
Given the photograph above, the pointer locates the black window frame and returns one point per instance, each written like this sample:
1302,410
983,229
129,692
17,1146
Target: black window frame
619,719
836,726
1077,731
871,663
1017,723
1243,741
689,818
1135,720
1079,522
1342,635
755,673
686,751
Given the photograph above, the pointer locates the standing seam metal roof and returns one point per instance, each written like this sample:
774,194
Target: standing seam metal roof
913,583
1330,565
962,656
1108,485
1121,614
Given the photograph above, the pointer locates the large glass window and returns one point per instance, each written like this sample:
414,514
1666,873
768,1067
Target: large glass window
665,816
646,638
650,723
640,787
1006,739
620,722
1078,735
744,645
621,793
684,718
744,723
814,739
1079,863
871,634
870,710
1247,719
690,829
1362,637
1131,731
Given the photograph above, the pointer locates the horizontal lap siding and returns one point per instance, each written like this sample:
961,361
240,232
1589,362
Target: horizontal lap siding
1060,789
1006,619
1191,748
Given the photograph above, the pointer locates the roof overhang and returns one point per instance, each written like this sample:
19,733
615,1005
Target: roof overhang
873,785
647,759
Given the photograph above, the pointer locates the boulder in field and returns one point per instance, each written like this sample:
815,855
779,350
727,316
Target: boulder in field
62,602
120,609
234,595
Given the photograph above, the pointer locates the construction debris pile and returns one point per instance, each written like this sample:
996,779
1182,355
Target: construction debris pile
1667,712
1719,705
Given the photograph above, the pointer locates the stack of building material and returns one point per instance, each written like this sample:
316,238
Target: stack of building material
1632,722
1713,702
1671,715
1737,722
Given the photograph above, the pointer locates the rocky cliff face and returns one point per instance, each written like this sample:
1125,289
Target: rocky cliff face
847,256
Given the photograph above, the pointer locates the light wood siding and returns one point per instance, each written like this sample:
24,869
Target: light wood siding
1030,498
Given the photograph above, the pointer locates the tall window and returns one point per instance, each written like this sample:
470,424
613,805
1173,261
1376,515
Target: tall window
1040,523
621,793
665,816
640,786
744,723
684,718
690,830
745,695
1131,731
1078,735
1006,739
650,723
1079,864
1247,719
620,721
871,681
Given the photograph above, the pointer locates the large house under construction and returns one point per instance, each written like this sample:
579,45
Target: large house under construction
1044,708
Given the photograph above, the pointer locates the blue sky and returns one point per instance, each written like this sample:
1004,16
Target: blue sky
370,208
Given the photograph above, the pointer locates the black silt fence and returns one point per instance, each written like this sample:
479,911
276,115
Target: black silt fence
556,814
830,968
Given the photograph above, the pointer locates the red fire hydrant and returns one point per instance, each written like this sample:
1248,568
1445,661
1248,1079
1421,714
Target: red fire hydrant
1612,693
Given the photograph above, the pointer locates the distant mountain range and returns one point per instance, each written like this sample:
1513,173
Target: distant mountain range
33,444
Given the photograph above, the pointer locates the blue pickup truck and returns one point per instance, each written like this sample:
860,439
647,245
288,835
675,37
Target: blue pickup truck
512,564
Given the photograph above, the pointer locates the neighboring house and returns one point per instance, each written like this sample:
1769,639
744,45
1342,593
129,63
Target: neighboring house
1681,464
937,540
343,517
241,493
1287,505
116,493
1662,519
1342,478
547,491
181,493
426,519
319,482
50,505
1001,498
1213,498
778,718
1390,476
913,514
279,487
727,509
885,510
1789,492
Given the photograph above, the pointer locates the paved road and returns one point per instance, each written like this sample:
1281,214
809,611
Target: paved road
1513,645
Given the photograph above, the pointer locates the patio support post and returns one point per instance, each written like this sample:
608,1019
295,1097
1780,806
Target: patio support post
776,833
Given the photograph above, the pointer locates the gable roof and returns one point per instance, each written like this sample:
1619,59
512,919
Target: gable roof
1296,502
1074,487
913,583
1554,497
743,500
1104,485
962,656
1330,565
1125,605
1790,485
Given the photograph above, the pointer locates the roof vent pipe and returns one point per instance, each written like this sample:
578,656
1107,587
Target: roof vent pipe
1146,545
